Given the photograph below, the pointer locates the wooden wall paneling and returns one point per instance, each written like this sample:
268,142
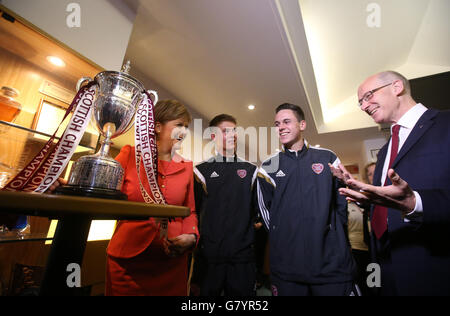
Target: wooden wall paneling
27,78
23,65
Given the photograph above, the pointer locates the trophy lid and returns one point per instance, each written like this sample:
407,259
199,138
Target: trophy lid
123,74
118,98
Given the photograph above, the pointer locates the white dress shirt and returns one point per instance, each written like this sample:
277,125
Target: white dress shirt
407,123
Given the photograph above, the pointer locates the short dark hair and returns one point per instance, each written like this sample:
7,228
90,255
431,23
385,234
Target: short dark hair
222,118
295,108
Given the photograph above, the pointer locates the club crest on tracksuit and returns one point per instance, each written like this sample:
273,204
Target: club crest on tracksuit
242,173
317,168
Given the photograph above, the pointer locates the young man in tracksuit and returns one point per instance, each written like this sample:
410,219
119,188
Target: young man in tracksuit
226,204
305,215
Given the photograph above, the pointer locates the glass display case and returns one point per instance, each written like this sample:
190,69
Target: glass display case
18,145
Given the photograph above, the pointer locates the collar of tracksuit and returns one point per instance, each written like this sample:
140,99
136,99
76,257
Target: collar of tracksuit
221,158
294,153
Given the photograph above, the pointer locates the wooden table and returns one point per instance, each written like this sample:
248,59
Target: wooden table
74,216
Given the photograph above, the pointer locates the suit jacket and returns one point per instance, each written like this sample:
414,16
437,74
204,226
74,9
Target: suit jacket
176,182
415,256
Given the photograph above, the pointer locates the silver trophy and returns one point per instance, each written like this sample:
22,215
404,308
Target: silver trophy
117,100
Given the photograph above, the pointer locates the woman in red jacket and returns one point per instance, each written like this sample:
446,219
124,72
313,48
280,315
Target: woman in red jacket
139,262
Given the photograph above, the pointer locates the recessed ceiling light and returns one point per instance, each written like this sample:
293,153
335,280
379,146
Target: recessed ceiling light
251,107
56,61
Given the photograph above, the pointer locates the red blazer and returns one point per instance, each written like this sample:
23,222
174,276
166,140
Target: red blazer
176,182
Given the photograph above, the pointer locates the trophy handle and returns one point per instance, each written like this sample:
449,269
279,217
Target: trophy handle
81,81
155,94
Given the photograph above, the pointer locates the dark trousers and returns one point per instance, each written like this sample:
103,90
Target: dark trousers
362,259
288,288
230,279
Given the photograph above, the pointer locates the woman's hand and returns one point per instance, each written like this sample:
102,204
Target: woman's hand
177,246
56,184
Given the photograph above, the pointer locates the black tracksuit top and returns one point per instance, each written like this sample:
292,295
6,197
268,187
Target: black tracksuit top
306,217
226,204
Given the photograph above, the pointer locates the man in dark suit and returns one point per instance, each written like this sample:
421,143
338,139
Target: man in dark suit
411,205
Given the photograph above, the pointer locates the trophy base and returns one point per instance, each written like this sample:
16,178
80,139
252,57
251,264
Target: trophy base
91,192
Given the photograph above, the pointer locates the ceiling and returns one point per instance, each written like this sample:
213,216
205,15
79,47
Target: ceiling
220,56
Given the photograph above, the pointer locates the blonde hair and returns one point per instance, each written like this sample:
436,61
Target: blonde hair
169,110
366,170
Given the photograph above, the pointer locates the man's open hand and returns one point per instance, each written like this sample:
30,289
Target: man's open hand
398,195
